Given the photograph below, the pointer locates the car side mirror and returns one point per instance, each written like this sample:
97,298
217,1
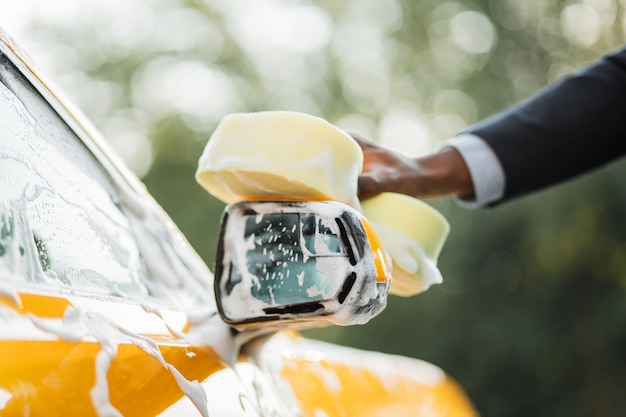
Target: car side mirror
298,264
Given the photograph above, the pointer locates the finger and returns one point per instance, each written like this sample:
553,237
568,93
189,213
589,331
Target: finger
368,187
363,143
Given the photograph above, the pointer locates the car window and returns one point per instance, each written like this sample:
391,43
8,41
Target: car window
63,220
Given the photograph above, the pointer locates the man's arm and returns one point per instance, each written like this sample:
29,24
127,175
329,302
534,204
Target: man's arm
568,128
486,172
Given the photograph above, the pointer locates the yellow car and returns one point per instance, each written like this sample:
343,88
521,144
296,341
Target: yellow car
105,309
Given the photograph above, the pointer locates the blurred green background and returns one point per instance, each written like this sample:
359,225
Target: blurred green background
531,317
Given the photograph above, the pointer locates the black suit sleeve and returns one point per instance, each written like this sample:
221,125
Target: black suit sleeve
568,128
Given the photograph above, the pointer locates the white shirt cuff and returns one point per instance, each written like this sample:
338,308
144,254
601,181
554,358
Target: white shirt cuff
485,168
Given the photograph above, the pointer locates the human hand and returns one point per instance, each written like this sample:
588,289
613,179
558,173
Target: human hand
386,170
437,175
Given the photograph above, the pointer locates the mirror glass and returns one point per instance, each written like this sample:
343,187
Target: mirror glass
291,258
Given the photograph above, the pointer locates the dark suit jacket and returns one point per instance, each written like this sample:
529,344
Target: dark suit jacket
568,128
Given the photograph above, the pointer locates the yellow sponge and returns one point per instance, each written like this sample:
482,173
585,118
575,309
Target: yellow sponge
413,233
280,155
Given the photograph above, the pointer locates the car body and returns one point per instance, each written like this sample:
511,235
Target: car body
106,310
